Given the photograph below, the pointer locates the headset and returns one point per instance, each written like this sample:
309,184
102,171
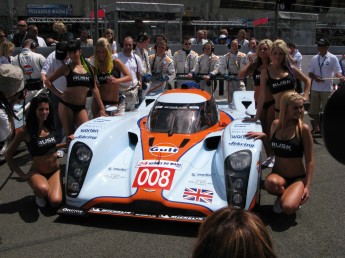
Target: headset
209,42
166,45
128,37
33,43
142,37
229,45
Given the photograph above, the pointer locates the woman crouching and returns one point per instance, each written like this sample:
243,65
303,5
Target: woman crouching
291,140
39,136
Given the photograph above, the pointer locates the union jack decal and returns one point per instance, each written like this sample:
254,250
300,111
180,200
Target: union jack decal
198,195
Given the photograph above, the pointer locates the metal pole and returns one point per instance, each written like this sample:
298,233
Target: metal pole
276,20
95,11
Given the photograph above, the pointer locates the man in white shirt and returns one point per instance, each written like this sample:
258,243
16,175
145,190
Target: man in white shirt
200,38
33,30
295,58
323,66
53,62
134,65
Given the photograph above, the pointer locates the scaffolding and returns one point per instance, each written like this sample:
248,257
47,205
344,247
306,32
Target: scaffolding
63,19
132,18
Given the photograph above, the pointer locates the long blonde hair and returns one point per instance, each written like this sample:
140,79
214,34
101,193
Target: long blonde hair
287,99
6,48
281,44
104,43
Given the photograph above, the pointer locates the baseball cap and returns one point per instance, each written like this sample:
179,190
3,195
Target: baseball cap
61,50
222,36
322,43
11,80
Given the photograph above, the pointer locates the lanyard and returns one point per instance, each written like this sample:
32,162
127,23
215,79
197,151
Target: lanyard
320,65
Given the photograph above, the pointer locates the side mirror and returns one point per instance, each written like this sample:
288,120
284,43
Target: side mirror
334,125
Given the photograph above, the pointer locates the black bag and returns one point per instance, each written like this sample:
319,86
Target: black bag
33,84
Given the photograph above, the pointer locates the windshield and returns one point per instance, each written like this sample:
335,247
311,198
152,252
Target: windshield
182,118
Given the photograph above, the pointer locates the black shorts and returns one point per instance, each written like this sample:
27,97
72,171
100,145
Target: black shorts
290,180
74,108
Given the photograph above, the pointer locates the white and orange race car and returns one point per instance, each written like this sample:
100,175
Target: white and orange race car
181,157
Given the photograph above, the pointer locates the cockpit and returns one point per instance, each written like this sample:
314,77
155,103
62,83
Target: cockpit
182,118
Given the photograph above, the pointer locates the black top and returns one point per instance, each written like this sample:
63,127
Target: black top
281,85
39,146
291,148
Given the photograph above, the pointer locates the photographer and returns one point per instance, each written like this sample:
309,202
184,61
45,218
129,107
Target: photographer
11,91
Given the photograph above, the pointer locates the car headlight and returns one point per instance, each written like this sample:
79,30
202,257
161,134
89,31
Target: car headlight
237,169
79,161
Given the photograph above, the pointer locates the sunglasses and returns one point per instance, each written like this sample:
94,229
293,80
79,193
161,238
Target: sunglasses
187,43
2,36
21,25
109,33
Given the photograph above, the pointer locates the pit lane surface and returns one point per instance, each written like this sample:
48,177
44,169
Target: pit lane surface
317,230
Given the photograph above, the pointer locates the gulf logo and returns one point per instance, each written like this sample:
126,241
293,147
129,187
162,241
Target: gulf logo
163,150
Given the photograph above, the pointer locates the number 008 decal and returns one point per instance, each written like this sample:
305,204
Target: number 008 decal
154,177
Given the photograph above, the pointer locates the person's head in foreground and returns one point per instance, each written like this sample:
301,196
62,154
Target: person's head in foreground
233,232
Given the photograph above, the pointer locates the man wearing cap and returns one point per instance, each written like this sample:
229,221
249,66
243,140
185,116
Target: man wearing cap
323,67
11,87
21,35
53,62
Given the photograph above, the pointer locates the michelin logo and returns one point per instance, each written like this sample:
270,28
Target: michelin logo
242,144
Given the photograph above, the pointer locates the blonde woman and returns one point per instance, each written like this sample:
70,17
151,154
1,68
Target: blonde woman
108,73
255,67
110,36
279,77
62,34
6,50
291,140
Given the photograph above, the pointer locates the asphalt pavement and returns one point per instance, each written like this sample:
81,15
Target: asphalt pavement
316,230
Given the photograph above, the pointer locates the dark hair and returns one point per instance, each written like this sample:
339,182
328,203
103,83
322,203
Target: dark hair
31,118
186,37
73,45
233,232
290,44
142,37
162,36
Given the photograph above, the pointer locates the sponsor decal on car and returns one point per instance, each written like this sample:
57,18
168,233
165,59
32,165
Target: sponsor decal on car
242,144
97,210
71,211
198,195
181,217
159,163
154,177
202,174
164,150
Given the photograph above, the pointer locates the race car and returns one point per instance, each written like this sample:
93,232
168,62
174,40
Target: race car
180,156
